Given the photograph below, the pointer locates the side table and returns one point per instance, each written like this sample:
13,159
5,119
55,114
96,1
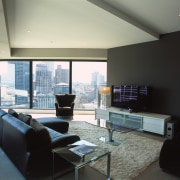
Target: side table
79,162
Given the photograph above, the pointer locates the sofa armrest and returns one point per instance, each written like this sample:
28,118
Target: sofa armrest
56,105
17,141
72,105
61,140
65,140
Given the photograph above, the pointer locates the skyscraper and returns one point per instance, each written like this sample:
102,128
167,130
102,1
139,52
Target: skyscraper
43,80
21,81
61,75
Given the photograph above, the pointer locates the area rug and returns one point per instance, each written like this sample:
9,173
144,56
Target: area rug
129,159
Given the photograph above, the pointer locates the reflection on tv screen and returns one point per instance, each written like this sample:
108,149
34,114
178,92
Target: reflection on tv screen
133,97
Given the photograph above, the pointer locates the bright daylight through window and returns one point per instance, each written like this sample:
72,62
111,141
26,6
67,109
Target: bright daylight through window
22,88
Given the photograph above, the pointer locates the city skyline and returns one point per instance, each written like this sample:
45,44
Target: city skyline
83,75
78,71
50,78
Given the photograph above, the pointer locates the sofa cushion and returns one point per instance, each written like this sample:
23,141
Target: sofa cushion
13,113
25,118
54,123
43,140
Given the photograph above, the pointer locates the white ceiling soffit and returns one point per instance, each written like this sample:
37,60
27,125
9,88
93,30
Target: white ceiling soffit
85,25
123,16
69,24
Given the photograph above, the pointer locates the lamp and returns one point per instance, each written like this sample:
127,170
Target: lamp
104,92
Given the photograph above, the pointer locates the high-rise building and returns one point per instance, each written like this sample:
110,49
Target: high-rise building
43,82
21,75
61,88
58,74
97,79
61,75
21,81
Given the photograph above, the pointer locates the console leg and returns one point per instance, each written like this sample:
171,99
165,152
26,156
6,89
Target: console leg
110,135
98,122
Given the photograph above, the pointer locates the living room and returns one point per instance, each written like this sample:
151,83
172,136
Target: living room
152,62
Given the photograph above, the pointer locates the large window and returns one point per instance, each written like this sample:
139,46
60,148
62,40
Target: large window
49,78
14,84
86,79
33,84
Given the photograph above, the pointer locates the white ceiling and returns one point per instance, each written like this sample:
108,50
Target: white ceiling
82,24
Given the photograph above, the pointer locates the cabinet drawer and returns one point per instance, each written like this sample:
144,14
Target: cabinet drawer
155,121
154,125
153,128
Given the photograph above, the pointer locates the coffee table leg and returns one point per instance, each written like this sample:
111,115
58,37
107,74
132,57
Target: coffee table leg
108,166
76,173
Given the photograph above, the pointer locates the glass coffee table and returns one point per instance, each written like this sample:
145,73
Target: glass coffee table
111,127
78,161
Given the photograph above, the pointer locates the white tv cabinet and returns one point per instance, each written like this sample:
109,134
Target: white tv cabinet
150,122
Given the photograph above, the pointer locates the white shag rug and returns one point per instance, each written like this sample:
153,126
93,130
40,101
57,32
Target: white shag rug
129,159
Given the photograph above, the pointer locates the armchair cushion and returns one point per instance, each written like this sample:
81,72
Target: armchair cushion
65,100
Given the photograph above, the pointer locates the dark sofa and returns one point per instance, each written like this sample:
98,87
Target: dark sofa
28,143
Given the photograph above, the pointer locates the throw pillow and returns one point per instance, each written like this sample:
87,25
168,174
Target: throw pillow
13,113
25,118
43,140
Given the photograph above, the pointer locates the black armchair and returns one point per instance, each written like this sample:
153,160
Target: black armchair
64,105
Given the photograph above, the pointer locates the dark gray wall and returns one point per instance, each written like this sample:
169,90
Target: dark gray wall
156,64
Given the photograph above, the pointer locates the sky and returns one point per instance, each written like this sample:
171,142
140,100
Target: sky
82,71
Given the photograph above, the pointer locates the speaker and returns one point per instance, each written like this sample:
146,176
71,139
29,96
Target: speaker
172,128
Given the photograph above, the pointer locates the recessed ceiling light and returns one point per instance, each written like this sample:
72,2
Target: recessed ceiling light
28,31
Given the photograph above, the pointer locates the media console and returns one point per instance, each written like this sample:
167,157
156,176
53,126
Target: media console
150,122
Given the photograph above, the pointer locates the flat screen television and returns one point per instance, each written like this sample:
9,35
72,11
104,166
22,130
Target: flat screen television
133,97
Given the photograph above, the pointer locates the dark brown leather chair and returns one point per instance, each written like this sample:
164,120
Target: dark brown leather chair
65,105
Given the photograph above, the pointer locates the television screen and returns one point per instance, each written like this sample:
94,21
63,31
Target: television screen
136,98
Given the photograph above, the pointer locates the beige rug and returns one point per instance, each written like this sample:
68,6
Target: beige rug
129,159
